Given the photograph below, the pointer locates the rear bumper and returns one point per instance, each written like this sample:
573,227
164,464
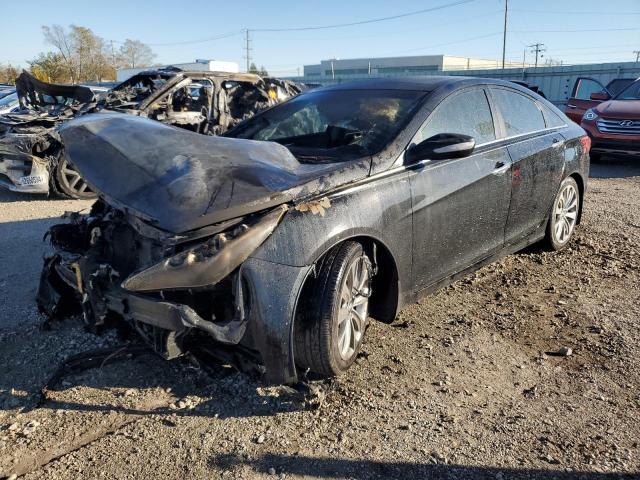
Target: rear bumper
21,172
267,327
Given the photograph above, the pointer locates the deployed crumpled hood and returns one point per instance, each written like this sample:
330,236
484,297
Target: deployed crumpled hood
180,180
29,88
622,109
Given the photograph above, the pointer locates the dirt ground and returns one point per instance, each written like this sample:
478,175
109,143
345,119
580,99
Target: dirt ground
464,385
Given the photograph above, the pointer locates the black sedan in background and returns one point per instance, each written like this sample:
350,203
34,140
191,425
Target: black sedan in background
276,244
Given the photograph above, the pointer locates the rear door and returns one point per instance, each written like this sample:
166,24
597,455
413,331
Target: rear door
460,206
536,148
580,100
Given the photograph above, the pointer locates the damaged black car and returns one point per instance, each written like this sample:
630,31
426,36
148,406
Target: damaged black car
31,151
275,244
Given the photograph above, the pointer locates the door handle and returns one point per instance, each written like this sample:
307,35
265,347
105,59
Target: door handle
572,106
500,168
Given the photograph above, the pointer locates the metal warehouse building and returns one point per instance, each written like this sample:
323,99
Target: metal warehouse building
555,81
424,64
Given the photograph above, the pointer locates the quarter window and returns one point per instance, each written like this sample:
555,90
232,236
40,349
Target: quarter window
467,113
520,114
552,118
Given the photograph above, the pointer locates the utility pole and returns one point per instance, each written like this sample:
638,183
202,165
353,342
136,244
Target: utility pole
247,48
637,53
538,49
504,35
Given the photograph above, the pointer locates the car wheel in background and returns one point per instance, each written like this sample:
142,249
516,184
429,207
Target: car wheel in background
564,215
69,182
333,317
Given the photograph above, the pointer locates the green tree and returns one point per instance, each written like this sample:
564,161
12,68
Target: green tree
253,69
49,67
8,74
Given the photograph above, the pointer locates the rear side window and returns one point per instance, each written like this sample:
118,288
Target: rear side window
552,118
467,113
520,114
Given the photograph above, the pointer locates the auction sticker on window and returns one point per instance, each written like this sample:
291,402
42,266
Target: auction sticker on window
31,180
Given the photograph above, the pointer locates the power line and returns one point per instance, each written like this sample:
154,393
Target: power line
364,22
188,42
578,31
469,39
574,12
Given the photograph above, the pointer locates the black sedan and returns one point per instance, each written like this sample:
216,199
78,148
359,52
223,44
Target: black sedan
275,245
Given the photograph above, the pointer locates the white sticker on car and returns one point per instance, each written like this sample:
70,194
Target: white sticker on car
31,180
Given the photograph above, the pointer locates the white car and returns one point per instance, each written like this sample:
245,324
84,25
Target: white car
9,104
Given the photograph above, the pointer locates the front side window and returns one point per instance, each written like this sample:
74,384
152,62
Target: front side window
520,113
334,125
585,87
467,113
632,92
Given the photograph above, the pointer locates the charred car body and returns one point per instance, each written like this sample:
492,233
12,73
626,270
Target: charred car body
274,243
205,102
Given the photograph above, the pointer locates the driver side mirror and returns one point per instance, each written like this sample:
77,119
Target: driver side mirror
599,96
440,147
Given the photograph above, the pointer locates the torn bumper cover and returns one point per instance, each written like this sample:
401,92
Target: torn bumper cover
20,171
211,289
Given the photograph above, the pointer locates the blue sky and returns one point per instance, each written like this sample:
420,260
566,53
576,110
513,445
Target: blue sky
472,29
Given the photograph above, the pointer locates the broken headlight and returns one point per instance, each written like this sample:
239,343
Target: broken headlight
209,262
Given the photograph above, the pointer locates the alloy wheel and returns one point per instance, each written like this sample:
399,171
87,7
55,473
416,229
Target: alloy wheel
354,307
565,213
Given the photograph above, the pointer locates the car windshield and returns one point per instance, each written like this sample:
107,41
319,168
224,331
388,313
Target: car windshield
334,125
632,92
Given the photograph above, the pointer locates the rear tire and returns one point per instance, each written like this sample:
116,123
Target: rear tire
564,215
332,319
69,183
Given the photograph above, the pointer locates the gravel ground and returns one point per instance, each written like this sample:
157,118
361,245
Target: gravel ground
528,368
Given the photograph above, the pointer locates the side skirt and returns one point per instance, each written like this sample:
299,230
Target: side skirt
507,250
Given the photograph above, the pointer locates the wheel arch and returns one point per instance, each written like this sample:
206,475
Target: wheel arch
386,288
581,189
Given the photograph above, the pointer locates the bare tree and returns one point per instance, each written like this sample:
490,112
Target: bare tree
83,54
135,54
57,36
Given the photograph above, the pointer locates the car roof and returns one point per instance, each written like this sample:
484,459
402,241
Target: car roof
424,83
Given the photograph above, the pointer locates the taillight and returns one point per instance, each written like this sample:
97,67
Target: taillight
586,143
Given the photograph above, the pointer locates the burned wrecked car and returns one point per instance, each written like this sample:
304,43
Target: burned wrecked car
274,244
210,103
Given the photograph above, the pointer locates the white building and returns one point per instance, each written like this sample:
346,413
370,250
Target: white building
392,66
200,65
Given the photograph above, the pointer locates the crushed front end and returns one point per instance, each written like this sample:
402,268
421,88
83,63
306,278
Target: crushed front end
179,292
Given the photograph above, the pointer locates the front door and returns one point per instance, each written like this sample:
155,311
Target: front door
580,100
460,206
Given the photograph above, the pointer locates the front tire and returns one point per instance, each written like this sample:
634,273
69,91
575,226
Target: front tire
69,182
330,327
564,215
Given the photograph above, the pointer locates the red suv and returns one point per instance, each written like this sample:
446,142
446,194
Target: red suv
612,121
